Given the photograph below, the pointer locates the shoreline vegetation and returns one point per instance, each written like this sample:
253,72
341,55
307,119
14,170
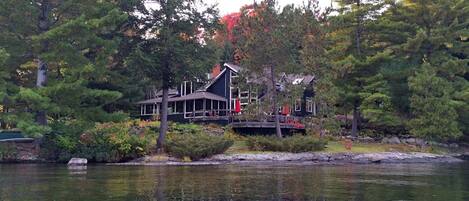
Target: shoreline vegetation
133,142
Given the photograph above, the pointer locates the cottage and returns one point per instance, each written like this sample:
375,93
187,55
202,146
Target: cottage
221,99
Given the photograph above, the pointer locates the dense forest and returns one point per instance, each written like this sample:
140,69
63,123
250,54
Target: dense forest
393,66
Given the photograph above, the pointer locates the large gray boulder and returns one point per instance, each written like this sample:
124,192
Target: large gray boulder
410,141
77,162
394,140
420,142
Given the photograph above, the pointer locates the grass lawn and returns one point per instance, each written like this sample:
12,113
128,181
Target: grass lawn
240,146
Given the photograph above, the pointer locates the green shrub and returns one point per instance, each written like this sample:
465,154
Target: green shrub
295,144
177,129
265,143
107,142
113,142
196,146
7,153
63,142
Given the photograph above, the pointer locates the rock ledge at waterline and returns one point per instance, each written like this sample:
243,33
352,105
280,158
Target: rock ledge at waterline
313,158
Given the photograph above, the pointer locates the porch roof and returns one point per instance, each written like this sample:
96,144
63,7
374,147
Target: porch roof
192,96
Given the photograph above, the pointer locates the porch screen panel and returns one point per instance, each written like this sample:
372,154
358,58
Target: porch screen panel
179,107
189,105
199,104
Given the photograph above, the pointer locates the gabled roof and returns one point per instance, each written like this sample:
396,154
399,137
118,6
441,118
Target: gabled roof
233,67
192,96
170,92
198,95
297,79
153,100
206,86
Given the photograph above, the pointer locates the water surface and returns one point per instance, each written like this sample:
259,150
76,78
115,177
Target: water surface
425,182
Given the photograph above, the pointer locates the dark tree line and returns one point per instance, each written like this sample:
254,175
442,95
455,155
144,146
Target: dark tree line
390,64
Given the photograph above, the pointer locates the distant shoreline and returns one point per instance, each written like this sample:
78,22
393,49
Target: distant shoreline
301,158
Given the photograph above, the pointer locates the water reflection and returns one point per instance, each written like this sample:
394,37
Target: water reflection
232,182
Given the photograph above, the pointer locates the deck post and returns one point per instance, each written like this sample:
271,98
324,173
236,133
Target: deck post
184,109
157,108
193,108
314,108
204,107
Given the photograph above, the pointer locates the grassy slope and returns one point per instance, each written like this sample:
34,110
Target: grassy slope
240,146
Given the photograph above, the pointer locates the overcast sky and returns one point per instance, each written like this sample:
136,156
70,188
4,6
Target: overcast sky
230,6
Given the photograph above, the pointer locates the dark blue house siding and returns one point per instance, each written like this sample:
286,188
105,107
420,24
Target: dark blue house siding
221,86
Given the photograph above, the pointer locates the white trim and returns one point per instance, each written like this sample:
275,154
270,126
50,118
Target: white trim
297,105
229,66
213,81
314,108
309,105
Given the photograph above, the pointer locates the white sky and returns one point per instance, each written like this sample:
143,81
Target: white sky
230,6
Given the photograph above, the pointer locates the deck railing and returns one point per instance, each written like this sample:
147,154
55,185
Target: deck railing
226,114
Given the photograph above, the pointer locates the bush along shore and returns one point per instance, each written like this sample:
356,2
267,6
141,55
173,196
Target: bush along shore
297,149
133,143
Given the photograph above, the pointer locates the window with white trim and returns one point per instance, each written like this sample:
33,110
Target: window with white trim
309,105
298,105
186,88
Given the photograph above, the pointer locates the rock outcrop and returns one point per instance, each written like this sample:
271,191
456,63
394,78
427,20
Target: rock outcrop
77,162
384,157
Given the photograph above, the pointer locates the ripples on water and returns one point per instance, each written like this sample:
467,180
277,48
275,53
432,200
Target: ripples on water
445,182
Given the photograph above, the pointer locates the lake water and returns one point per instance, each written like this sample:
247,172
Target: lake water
425,182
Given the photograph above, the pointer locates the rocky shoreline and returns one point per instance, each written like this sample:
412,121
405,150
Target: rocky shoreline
304,158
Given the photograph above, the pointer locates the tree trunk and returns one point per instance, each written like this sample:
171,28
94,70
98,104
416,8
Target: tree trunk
358,31
358,38
164,120
355,122
274,102
41,77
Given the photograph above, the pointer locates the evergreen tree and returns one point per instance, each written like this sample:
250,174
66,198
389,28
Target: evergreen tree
177,46
433,33
4,75
270,42
314,58
354,57
435,118
73,46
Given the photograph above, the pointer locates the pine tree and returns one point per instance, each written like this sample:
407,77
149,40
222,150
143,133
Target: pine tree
435,118
314,58
354,58
433,33
176,46
270,42
74,42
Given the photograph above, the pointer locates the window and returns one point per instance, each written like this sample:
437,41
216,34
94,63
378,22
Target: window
171,108
309,105
298,105
148,109
199,105
179,107
186,88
